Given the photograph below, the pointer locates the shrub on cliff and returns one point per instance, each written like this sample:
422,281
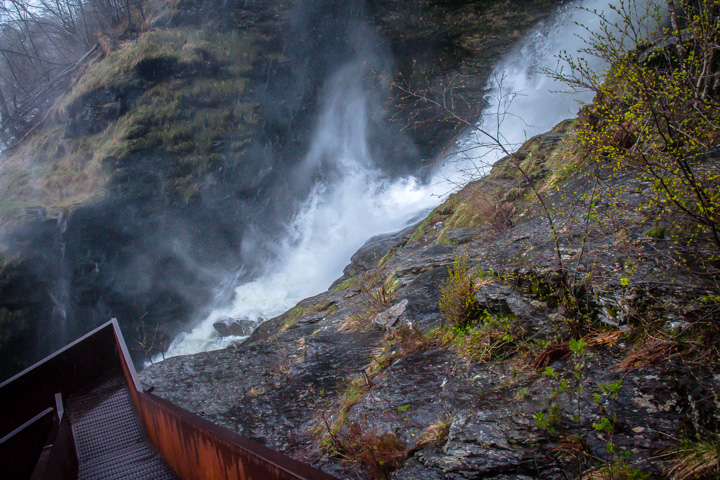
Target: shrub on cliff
458,305
656,113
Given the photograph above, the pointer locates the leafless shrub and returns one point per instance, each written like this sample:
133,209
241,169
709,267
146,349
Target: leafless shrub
42,45
379,453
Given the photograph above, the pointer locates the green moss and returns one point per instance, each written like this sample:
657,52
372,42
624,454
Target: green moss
346,284
299,311
437,215
292,317
14,209
50,173
186,45
194,120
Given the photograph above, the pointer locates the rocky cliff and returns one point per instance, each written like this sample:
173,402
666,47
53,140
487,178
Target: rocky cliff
557,318
176,142
379,377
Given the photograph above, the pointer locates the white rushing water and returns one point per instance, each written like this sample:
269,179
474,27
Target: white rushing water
356,202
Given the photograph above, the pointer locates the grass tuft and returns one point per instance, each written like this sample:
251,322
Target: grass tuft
695,460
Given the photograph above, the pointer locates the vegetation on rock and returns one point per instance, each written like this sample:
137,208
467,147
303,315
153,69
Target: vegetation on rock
619,280
560,316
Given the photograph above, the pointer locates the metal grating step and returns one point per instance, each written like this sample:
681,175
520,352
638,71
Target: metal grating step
109,441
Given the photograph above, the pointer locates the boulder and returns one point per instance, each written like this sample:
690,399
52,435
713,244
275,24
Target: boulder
238,327
388,318
503,300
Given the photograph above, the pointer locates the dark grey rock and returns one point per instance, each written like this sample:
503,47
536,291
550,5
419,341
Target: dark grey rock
504,300
462,235
388,318
376,248
239,327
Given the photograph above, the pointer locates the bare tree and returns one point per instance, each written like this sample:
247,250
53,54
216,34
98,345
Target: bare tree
42,44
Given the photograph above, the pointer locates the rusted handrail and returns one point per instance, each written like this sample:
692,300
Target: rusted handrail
197,449
194,447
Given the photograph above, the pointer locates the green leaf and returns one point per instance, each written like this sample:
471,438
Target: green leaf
604,425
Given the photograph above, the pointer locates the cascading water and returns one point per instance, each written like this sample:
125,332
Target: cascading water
352,200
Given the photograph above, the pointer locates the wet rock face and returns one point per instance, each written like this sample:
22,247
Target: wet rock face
94,113
375,249
239,327
504,300
357,364
159,178
269,388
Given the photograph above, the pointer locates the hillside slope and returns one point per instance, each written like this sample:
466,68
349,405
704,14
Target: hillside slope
557,318
427,359
174,151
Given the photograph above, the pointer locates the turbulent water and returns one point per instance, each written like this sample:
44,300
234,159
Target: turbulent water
352,199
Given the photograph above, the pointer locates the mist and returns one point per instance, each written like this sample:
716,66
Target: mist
327,171
353,199
162,266
352,179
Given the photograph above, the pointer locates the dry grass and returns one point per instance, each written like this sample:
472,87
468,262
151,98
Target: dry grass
650,351
573,448
399,344
698,344
333,419
375,292
380,453
353,392
354,323
550,354
697,460
481,204
608,338
255,392
558,351
436,432
615,471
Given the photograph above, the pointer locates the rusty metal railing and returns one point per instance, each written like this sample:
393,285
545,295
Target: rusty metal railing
194,447
65,371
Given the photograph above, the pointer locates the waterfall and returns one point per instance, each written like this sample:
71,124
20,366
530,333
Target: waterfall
353,201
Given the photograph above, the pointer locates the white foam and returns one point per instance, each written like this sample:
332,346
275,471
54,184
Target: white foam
355,201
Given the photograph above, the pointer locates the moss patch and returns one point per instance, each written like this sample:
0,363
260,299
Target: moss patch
180,94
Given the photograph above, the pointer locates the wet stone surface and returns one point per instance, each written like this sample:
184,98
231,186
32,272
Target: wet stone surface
326,368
